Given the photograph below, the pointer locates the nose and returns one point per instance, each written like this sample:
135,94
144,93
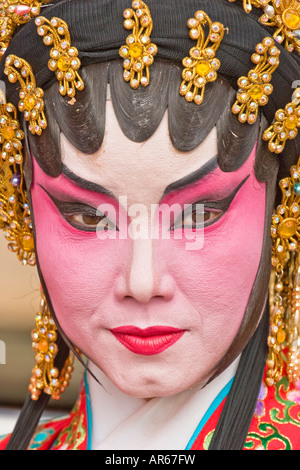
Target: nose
145,277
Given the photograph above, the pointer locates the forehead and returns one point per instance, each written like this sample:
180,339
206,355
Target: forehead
140,171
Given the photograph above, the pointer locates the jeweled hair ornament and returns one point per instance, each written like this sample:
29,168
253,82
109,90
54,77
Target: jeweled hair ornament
255,89
14,13
284,15
139,51
285,282
201,66
285,125
45,376
169,34
64,59
31,102
14,208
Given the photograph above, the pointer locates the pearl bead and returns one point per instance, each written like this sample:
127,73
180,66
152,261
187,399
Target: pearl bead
269,11
279,287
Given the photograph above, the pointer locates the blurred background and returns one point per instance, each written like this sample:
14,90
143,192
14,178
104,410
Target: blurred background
19,302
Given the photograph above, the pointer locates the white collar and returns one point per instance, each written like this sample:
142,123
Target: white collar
122,422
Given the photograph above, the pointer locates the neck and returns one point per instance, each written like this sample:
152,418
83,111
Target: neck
120,421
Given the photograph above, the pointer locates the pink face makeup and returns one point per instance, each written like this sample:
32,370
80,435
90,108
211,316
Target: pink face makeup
155,317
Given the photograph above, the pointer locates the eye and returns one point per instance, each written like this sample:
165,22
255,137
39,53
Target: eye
89,221
196,217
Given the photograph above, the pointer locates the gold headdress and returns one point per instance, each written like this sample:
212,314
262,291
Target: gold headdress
64,59
285,125
202,65
285,281
256,87
31,102
45,376
13,14
139,51
14,208
283,15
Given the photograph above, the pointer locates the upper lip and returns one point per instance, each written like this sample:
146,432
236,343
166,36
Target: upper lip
146,332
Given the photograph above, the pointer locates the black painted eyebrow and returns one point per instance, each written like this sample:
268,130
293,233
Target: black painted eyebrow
221,205
225,203
197,175
181,183
66,204
73,207
85,184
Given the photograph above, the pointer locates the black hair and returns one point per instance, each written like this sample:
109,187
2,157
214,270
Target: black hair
139,113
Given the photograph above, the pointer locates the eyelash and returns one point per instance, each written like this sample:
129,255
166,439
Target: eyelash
199,220
70,217
83,225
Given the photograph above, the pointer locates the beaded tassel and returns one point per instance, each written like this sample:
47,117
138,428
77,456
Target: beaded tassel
45,376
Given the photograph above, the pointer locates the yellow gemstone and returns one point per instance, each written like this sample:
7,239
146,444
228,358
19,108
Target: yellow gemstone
281,336
43,345
63,63
135,50
202,68
256,92
29,102
287,228
28,243
292,19
291,122
8,132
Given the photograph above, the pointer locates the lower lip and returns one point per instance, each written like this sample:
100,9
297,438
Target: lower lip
148,345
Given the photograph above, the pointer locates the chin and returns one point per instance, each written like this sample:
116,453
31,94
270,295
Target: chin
155,385
154,376
150,390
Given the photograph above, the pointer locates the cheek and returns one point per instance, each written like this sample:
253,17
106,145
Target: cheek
78,268
218,279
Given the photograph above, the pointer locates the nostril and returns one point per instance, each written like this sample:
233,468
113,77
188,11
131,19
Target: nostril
163,288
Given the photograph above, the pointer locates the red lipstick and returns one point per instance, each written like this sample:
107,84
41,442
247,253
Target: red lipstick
149,341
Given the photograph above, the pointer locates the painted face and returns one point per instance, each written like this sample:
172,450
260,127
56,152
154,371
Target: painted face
155,313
